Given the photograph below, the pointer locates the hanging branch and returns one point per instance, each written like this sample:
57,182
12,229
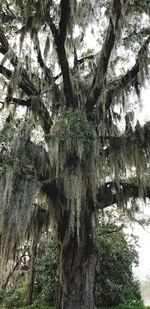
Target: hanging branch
119,193
128,79
140,137
59,39
26,85
34,102
101,70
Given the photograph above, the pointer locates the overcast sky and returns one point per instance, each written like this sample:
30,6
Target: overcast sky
144,253
144,235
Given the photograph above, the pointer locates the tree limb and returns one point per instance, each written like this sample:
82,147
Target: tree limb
64,19
101,70
48,74
59,39
26,85
119,193
128,79
34,102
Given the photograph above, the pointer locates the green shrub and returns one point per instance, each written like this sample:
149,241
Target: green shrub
16,298
46,267
114,282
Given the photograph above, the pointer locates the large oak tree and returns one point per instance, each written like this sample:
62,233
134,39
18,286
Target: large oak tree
82,101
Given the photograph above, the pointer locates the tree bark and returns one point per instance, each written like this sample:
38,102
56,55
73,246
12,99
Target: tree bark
32,273
76,272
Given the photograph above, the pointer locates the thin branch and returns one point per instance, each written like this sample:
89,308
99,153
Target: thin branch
143,32
47,71
48,74
101,70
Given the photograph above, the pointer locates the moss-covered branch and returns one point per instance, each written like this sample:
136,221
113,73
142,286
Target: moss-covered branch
23,81
101,70
119,193
59,39
129,79
34,102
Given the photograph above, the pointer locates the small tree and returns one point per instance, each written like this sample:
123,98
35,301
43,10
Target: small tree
115,283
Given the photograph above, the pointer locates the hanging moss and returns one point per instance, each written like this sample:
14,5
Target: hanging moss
17,196
18,187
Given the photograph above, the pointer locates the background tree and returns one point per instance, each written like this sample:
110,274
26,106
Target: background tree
115,283
46,270
84,158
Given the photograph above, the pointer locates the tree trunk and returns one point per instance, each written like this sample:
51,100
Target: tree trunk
76,272
32,273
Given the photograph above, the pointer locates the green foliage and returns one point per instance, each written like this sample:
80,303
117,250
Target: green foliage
46,272
115,283
72,125
15,298
38,305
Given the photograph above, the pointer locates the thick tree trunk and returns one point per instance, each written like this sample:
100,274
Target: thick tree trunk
76,272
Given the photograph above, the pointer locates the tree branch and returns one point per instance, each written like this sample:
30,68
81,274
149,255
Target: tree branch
101,70
59,39
37,106
48,74
128,79
64,19
47,71
118,193
26,85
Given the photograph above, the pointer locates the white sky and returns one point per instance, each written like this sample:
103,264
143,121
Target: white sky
144,235
144,252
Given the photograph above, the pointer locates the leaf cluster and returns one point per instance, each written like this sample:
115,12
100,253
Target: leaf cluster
73,125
